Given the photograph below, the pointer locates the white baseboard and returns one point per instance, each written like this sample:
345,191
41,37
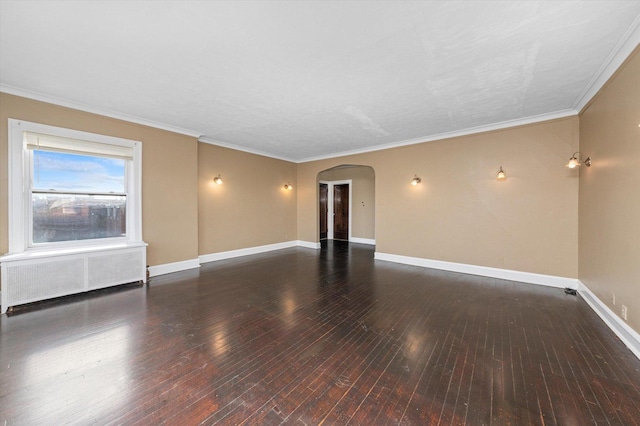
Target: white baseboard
168,268
308,244
245,251
256,250
359,240
628,335
485,271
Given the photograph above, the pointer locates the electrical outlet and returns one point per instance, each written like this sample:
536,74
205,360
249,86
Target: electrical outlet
624,312
613,298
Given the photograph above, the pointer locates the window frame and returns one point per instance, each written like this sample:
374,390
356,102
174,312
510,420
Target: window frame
20,189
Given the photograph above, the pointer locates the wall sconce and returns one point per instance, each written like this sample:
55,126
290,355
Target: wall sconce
416,180
574,161
501,174
217,180
288,186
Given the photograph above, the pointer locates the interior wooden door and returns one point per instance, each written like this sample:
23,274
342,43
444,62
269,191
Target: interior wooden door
324,210
341,212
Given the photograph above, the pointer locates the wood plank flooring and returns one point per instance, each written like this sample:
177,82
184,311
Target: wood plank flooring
299,336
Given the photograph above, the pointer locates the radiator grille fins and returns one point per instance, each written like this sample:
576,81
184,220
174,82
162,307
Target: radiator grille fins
44,280
40,278
115,269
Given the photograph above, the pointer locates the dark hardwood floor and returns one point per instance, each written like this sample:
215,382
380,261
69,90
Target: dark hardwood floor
316,337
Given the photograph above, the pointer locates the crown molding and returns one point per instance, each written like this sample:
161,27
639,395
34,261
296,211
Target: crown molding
11,90
625,47
201,138
211,141
465,132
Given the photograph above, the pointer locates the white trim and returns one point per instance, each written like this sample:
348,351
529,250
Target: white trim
308,244
214,257
202,138
616,58
11,90
19,188
169,268
17,175
629,336
204,258
51,252
211,141
359,240
485,271
464,132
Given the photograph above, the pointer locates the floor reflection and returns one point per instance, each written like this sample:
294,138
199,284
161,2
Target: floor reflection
96,362
59,360
301,335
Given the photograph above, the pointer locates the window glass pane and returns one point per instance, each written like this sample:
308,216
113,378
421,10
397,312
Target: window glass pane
82,173
69,217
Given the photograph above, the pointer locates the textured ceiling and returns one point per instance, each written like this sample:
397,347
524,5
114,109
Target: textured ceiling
304,80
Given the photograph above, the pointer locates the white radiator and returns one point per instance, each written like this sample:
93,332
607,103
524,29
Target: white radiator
32,276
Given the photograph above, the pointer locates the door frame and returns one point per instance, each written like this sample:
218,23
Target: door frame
330,212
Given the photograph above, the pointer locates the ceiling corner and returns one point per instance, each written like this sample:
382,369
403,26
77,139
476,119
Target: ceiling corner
627,45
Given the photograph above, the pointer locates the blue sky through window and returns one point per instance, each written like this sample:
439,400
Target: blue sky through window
79,173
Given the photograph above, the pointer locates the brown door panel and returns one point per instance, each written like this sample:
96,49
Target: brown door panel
324,210
341,212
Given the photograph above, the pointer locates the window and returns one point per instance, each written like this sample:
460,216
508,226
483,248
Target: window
77,197
71,188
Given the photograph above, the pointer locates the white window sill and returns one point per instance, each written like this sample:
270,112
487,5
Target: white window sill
40,253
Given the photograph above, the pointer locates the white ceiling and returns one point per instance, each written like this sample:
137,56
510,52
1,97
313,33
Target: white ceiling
311,79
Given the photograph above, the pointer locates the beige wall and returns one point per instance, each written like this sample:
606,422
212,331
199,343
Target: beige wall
251,208
362,197
460,212
609,232
169,175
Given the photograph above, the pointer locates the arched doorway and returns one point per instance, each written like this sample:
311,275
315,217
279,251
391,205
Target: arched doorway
346,199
